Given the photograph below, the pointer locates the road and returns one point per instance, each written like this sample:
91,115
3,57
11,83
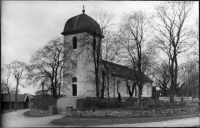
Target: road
186,122
17,119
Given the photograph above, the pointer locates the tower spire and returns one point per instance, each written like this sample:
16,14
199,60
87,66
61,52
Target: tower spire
83,10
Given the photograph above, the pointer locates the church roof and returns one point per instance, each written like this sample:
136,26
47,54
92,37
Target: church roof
82,23
123,71
20,97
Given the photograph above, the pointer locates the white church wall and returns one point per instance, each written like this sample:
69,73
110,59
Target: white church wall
84,71
64,102
147,90
122,89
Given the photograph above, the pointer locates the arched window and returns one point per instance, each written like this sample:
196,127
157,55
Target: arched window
74,89
74,43
148,89
118,81
74,79
74,86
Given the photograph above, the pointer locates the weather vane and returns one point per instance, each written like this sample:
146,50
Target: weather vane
83,10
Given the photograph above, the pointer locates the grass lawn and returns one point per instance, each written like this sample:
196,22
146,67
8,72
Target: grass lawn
88,121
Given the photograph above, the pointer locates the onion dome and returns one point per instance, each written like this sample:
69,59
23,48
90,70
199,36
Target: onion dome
82,23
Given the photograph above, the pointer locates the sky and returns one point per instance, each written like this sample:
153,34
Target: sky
26,26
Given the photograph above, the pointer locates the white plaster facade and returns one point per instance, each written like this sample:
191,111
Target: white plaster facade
119,86
84,72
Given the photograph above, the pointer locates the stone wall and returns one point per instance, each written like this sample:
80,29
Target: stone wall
136,113
36,112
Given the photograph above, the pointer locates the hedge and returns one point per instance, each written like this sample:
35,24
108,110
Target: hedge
92,103
43,104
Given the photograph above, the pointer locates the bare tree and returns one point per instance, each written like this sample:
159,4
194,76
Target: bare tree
132,38
17,69
172,36
6,86
194,54
190,77
109,54
47,65
104,19
131,88
162,78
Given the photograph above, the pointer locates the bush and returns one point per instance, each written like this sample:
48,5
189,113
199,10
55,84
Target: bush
179,104
174,105
166,104
154,105
92,103
43,104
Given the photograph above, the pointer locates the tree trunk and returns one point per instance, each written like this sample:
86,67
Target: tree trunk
172,87
96,54
108,88
139,98
9,100
42,90
164,92
131,95
102,91
52,87
55,93
59,90
131,91
97,83
114,87
16,95
199,91
103,85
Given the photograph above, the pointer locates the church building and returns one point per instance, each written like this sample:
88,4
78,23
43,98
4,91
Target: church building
80,32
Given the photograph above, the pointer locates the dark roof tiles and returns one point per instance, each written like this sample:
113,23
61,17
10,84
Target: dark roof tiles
20,97
123,71
82,23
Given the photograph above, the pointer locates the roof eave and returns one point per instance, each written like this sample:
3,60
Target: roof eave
76,32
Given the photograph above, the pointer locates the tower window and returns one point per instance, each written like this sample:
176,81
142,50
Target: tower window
74,43
74,86
74,79
74,89
148,89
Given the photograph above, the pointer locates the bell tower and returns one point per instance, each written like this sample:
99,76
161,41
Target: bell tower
78,74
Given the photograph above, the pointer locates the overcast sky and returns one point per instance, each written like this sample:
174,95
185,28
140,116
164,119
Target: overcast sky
29,25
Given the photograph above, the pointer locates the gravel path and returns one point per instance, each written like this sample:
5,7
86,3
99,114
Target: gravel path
187,122
17,119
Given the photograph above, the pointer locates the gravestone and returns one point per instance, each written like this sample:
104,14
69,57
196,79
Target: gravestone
51,109
69,111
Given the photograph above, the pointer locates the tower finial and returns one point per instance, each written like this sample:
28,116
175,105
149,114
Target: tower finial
83,10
